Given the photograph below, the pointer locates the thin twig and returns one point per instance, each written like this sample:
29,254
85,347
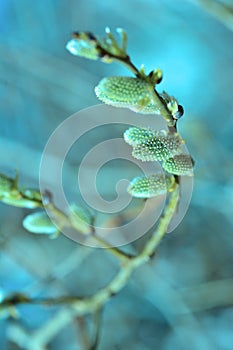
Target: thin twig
97,323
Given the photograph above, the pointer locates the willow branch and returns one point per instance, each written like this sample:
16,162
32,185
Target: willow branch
82,306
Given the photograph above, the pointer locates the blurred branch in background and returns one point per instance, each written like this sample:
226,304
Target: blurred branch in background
177,306
221,10
83,306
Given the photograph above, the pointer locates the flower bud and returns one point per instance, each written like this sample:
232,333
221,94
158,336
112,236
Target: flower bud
84,44
179,165
158,148
39,223
135,136
150,186
126,92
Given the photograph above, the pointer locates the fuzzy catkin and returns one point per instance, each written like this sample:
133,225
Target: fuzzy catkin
179,165
39,223
158,148
127,92
150,186
135,136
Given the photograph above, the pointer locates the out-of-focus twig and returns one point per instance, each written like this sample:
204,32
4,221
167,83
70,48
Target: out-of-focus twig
175,306
87,305
82,333
97,324
221,12
209,295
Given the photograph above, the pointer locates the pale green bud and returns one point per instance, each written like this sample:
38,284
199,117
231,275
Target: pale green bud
156,76
151,186
39,223
133,93
158,148
179,165
81,219
84,44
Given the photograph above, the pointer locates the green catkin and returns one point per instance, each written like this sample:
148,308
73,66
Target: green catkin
179,165
150,186
133,93
39,223
158,148
135,136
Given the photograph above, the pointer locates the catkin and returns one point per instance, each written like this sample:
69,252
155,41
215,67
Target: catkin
135,136
127,92
158,148
150,186
179,165
39,223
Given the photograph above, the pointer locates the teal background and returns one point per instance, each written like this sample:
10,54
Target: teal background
184,295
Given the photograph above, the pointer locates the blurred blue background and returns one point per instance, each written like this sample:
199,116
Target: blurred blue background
185,294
